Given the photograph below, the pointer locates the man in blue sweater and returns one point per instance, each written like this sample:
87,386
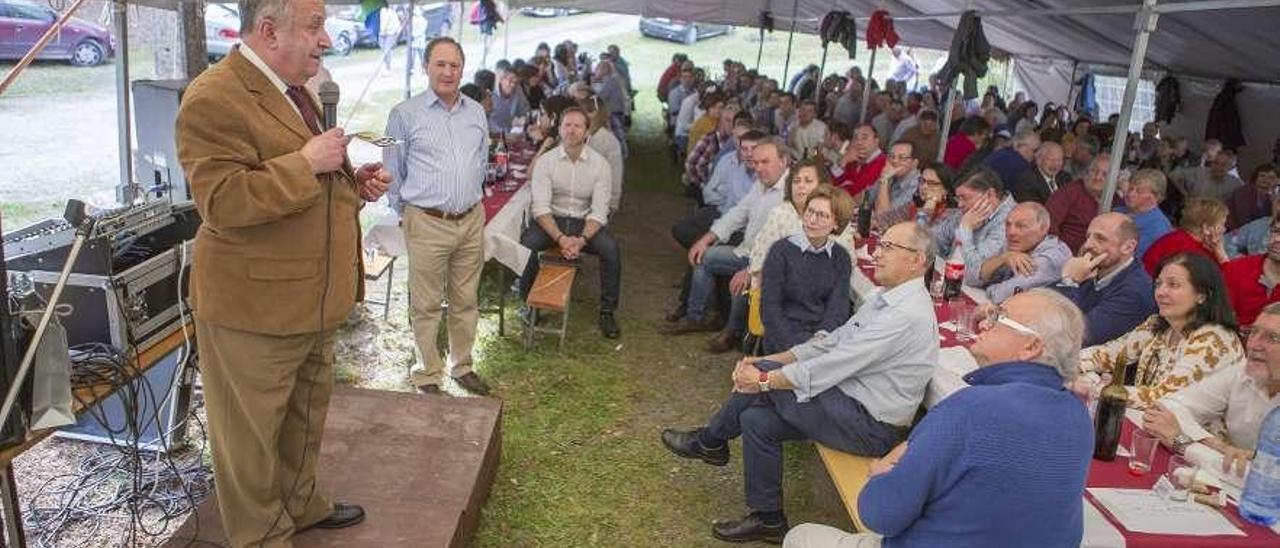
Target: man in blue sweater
1107,282
855,389
1000,463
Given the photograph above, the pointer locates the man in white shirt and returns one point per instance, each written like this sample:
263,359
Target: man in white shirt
807,133
1212,181
710,260
1238,396
571,188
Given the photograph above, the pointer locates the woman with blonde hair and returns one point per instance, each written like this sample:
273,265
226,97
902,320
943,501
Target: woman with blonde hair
1200,232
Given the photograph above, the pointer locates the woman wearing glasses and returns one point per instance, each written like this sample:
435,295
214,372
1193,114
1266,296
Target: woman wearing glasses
805,279
1191,335
933,208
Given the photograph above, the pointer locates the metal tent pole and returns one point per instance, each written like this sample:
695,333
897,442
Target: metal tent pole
946,120
408,55
760,50
1145,24
506,36
127,192
786,65
1071,84
866,87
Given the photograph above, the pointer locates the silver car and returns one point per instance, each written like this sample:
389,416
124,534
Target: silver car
222,31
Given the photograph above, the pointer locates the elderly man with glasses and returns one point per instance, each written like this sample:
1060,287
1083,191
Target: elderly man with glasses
855,389
1000,463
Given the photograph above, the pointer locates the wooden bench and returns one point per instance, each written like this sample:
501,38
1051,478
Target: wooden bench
850,474
374,269
551,291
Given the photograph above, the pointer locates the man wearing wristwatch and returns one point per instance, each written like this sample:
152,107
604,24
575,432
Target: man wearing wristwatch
1238,396
855,389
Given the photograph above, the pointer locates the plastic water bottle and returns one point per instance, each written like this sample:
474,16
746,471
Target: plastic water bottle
1260,502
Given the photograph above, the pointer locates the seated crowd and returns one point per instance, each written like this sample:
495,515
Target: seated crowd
1175,288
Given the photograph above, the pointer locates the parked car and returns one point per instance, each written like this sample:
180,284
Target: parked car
222,31
545,11
81,42
680,31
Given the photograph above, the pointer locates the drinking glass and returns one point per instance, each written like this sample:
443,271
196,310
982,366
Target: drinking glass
1181,475
1142,450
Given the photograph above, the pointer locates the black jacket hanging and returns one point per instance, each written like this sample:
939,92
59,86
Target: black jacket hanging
1224,117
1168,99
968,55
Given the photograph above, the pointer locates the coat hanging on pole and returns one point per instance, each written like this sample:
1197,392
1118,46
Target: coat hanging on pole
1224,117
880,31
838,26
1168,99
766,24
969,54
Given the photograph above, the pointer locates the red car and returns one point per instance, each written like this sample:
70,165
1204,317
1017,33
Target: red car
80,42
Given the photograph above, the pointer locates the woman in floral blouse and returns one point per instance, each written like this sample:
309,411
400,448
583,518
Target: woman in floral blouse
1191,336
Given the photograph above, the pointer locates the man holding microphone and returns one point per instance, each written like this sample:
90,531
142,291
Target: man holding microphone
276,270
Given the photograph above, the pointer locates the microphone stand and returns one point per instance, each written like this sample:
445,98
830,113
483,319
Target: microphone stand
84,226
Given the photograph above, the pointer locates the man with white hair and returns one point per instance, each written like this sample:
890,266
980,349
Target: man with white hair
1031,258
855,389
999,463
1036,185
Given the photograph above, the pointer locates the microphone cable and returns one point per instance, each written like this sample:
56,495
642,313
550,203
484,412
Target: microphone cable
306,422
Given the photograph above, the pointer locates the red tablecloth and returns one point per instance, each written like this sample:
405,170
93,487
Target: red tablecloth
941,308
497,195
1115,474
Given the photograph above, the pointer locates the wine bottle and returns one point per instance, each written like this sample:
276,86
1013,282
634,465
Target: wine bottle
1111,408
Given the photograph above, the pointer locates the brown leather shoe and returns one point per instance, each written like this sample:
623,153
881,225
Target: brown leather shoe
430,389
473,383
724,341
686,326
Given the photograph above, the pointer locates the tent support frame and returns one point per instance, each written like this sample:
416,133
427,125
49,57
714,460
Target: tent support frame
1145,24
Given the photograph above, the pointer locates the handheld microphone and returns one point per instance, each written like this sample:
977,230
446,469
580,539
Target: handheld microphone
329,101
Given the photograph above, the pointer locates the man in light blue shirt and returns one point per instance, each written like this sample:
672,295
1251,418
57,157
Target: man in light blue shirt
733,175
1032,257
980,234
437,174
855,389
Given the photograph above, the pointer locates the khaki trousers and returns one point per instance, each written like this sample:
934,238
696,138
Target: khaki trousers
266,398
445,260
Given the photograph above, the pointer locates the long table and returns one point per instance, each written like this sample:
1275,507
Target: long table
1101,530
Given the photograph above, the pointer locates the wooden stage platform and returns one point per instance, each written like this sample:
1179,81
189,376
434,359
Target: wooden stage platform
421,466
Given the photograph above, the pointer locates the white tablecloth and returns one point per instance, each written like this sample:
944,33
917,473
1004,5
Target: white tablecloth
501,234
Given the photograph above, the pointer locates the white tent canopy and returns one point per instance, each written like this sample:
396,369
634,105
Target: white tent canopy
1222,43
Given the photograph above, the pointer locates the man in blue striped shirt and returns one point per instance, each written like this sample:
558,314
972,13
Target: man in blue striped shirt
438,173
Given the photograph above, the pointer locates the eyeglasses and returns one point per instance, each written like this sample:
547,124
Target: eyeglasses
886,244
1001,317
934,182
815,214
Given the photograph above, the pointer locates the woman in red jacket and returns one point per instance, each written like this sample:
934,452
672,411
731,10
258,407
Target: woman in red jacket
1204,221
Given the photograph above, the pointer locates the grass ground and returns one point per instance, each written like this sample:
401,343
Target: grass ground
582,464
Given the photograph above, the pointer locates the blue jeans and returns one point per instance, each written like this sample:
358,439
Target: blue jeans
766,419
719,260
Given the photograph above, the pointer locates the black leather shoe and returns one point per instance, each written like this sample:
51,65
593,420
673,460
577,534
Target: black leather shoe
343,515
684,443
429,389
749,529
609,326
473,383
